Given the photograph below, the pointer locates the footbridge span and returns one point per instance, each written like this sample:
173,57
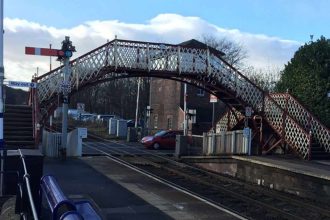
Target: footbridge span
192,62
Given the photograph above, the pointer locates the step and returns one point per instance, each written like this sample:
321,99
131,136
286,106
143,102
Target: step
19,131
15,147
10,106
320,156
25,132
15,137
17,120
18,110
17,113
18,124
317,149
19,143
10,113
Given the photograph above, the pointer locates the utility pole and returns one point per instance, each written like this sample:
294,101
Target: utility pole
137,103
185,123
213,125
2,76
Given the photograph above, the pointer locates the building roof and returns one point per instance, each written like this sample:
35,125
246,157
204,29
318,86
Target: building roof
197,44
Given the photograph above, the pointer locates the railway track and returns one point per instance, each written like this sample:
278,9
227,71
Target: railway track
245,200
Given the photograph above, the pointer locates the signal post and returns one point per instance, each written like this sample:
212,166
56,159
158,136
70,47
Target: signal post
64,55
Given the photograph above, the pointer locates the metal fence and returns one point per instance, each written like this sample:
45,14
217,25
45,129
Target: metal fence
51,143
195,146
227,143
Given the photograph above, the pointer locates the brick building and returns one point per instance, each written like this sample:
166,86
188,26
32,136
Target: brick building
167,104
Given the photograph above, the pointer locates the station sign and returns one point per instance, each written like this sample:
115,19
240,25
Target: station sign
22,84
248,111
213,98
82,132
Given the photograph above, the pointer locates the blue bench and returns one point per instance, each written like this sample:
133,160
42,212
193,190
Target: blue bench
61,207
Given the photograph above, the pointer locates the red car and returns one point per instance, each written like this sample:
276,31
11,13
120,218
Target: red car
162,139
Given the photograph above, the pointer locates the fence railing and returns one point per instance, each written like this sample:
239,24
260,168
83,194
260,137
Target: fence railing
195,146
227,143
51,143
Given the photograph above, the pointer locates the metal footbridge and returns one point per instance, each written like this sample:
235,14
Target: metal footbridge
194,63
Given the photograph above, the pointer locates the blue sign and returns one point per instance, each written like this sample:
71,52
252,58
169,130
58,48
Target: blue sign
22,84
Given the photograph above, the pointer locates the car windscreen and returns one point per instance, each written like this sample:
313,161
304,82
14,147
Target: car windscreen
160,133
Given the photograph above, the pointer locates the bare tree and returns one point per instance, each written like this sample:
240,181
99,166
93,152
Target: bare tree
234,52
114,97
264,78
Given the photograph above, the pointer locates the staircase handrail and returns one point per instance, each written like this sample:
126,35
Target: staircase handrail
283,130
307,120
26,178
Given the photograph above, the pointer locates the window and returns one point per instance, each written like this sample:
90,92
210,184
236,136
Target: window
169,122
155,121
200,92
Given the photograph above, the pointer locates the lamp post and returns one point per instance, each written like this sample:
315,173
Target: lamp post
2,76
148,112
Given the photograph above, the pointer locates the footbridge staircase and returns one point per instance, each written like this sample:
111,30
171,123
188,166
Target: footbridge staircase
319,134
191,62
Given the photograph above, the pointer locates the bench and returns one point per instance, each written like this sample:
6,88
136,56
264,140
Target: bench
61,207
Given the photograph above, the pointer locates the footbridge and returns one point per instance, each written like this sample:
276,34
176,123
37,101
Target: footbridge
194,63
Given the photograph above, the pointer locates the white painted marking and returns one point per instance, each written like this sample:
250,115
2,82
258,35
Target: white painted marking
37,51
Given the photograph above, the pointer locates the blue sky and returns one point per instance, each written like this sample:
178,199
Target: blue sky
270,30
288,19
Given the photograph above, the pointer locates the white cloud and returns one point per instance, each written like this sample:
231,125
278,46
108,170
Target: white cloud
263,51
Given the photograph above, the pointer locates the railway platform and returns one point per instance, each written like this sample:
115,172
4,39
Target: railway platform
306,179
118,192
315,168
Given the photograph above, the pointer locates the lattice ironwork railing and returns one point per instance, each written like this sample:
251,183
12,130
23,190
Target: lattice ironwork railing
306,119
229,120
126,57
150,57
287,127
